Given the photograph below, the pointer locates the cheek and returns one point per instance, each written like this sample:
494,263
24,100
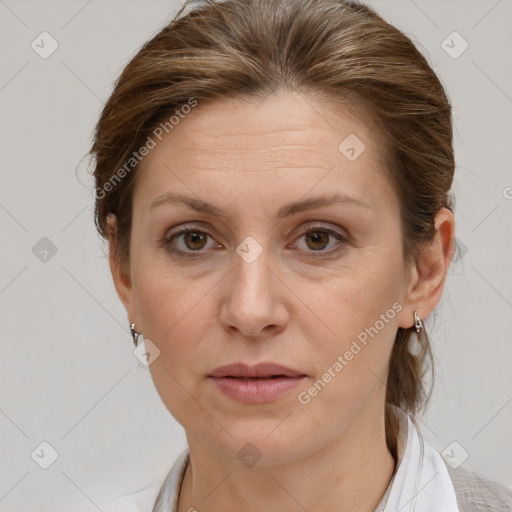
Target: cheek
169,315
353,369
353,297
175,314
167,302
359,308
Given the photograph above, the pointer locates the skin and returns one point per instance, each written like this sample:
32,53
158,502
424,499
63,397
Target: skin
299,303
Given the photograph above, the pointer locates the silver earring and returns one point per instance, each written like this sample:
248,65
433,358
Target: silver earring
135,334
418,323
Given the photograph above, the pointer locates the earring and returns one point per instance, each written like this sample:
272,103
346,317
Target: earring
418,323
135,334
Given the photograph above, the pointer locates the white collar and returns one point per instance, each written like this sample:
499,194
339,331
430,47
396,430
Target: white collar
421,482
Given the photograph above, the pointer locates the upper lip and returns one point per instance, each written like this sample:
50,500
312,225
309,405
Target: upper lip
265,369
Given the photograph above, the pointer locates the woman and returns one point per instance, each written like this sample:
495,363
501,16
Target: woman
273,178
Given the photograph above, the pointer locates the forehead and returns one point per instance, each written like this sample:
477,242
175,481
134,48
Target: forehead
287,143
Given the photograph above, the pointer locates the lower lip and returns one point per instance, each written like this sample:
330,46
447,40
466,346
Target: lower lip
256,391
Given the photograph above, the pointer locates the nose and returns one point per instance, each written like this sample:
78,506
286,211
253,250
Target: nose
255,298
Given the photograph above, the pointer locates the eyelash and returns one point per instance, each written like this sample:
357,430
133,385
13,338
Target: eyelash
166,241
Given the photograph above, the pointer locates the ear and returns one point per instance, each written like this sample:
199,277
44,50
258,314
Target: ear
120,275
428,275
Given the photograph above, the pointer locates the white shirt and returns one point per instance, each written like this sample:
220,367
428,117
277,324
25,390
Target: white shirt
442,488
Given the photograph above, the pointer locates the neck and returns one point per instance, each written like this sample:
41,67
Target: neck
349,474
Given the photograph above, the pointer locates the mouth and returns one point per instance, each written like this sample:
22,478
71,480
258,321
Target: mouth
257,378
265,370
262,383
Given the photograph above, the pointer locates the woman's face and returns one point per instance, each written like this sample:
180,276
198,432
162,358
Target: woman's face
321,290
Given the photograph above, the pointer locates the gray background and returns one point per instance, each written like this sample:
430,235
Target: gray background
67,372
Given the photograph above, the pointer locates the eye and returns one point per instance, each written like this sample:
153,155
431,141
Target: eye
318,238
192,242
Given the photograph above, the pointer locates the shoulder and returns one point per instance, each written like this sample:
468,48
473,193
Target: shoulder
476,493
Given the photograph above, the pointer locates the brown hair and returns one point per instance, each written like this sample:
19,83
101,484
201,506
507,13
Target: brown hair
337,48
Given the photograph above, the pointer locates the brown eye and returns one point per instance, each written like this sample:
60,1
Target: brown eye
317,240
188,242
323,241
194,240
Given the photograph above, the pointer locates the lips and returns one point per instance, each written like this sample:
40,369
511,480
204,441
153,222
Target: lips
258,384
265,370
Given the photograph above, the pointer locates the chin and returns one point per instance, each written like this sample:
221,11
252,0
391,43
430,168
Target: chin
259,443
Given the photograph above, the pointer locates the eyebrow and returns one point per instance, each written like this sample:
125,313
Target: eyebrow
285,211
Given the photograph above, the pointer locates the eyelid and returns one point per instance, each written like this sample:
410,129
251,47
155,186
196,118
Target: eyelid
321,226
